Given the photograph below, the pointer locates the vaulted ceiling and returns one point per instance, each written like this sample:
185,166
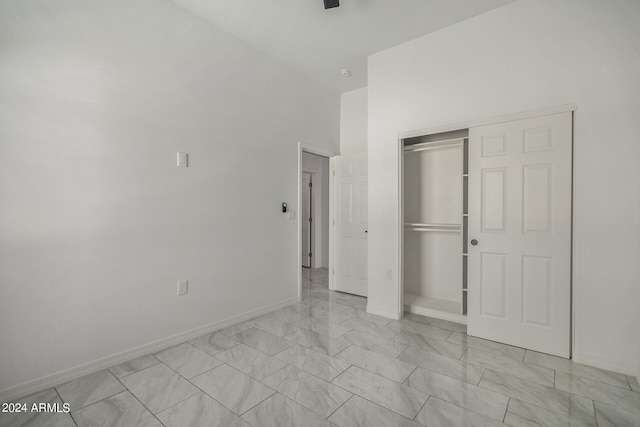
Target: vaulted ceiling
319,42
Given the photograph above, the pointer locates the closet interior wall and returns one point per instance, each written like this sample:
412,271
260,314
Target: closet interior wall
435,171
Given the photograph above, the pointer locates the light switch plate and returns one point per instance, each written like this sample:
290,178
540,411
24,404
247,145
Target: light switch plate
183,160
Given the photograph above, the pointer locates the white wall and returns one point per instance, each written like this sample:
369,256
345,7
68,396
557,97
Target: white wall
353,121
529,55
320,166
97,223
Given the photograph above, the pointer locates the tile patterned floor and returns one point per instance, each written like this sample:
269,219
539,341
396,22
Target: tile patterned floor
326,362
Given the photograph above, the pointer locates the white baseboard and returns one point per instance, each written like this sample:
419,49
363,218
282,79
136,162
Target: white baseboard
70,374
383,313
609,365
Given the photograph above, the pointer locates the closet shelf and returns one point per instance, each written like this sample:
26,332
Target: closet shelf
438,308
422,146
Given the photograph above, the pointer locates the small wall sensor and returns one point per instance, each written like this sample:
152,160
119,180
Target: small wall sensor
284,206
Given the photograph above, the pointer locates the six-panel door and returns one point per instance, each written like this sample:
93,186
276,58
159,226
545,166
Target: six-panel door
350,183
520,215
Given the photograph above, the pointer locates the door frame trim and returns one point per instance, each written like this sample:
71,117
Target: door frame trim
324,152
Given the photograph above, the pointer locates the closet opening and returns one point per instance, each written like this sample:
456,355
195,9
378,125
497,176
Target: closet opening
434,207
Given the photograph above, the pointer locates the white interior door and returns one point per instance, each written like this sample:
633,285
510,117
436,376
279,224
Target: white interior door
519,244
306,219
350,215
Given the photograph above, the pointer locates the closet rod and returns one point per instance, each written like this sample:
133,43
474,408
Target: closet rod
425,225
434,144
446,230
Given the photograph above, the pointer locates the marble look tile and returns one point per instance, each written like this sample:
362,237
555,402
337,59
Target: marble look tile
351,301
322,366
566,404
461,338
633,382
440,413
158,387
396,397
274,326
319,342
134,365
289,315
232,388
89,389
333,330
601,392
232,330
37,419
251,362
611,416
278,411
576,369
429,344
449,326
200,410
188,360
301,306
419,318
120,410
370,328
311,392
377,363
469,396
214,342
262,341
524,414
332,307
374,318
362,413
423,329
508,365
328,316
453,368
374,343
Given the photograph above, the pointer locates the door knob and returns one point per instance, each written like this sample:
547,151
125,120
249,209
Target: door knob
474,242
366,231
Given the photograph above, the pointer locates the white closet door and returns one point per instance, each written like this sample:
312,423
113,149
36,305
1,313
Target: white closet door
350,183
520,221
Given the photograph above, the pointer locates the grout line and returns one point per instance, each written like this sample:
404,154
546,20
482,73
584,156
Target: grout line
341,405
421,408
143,405
259,403
466,350
407,379
506,409
61,400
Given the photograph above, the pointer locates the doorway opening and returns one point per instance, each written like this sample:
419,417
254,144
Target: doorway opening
314,183
307,213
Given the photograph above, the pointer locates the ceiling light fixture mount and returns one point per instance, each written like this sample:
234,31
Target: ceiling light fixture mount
328,4
345,72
